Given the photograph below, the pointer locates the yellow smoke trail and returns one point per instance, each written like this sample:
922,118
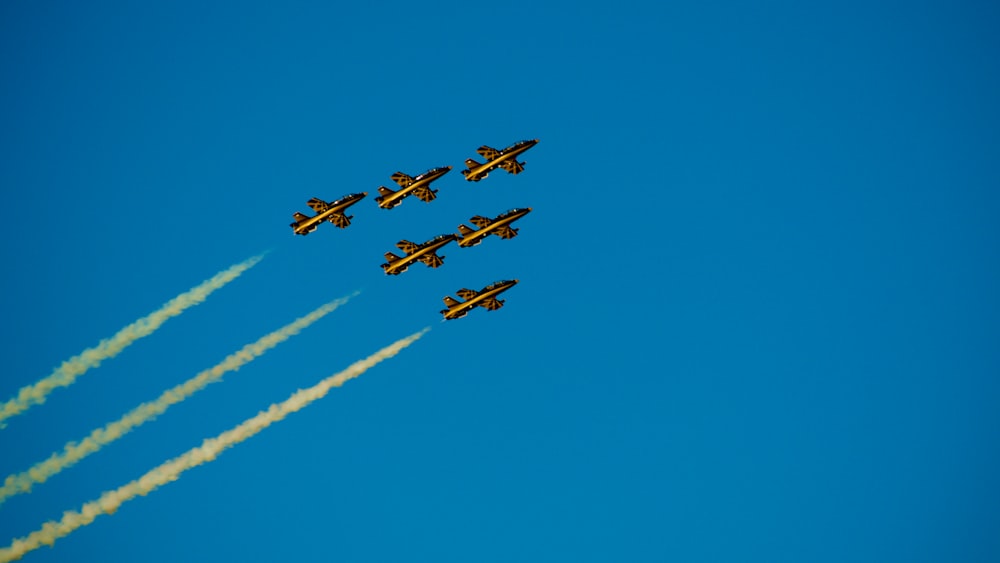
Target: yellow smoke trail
75,451
110,501
66,374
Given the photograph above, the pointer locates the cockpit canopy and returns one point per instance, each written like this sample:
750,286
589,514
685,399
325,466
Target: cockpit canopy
433,170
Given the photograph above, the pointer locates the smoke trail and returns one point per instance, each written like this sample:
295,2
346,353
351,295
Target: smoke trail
75,451
66,374
110,501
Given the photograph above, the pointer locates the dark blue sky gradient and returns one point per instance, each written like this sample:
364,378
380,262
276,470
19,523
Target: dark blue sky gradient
757,317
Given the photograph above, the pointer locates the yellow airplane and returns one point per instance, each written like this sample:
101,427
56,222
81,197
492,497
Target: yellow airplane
499,226
506,159
486,297
332,212
425,253
418,186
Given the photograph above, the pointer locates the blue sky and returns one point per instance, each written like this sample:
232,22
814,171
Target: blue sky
754,321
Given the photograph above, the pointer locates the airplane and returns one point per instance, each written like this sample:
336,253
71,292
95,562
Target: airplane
418,186
499,226
332,212
506,159
425,253
485,297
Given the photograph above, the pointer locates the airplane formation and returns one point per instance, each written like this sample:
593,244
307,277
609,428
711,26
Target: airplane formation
426,252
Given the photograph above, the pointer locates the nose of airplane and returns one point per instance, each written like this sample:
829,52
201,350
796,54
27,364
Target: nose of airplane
447,167
529,209
364,194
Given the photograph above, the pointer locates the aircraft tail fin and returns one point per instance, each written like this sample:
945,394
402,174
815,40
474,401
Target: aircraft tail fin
383,192
300,220
464,230
390,257
471,163
450,302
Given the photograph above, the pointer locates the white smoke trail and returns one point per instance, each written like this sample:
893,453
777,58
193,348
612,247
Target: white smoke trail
75,451
110,501
66,374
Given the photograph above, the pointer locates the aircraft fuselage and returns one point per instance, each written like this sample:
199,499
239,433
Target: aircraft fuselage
401,265
422,181
309,224
488,292
476,237
476,173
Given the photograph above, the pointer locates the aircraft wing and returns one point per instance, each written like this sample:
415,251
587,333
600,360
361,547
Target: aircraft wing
512,166
340,220
425,194
488,153
480,221
467,294
506,232
492,304
451,303
432,260
407,246
318,205
402,179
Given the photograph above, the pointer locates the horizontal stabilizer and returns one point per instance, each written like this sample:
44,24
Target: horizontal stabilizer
456,316
389,271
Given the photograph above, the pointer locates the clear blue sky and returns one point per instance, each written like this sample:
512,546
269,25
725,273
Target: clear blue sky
758,310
